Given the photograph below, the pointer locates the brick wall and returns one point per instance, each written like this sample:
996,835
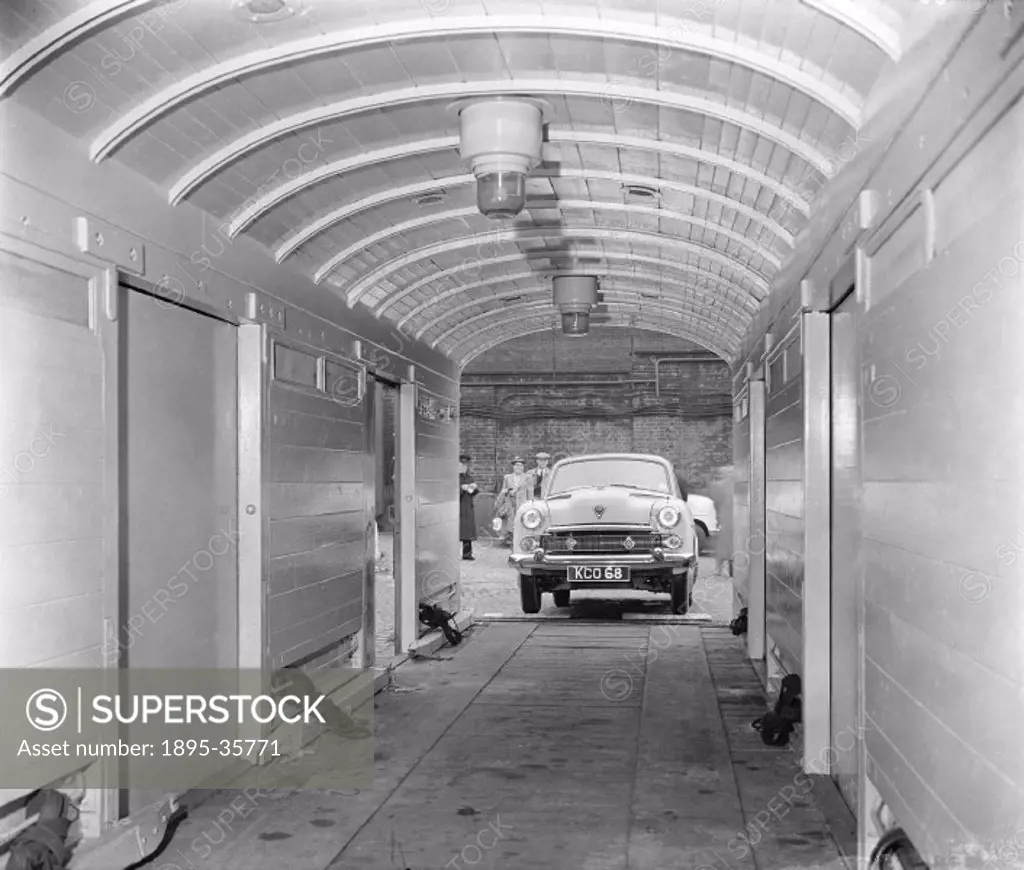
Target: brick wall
605,400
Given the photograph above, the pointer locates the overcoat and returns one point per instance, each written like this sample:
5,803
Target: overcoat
467,517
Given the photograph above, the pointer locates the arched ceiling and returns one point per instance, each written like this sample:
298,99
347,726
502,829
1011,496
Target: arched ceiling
323,132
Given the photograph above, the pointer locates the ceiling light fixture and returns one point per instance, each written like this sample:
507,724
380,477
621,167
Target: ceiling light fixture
501,139
575,296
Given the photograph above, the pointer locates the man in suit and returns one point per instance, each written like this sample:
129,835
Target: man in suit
467,519
540,474
513,490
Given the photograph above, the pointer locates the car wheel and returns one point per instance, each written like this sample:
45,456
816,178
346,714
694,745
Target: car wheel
702,539
562,597
529,594
680,593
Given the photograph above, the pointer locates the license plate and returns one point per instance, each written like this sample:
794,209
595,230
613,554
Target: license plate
604,573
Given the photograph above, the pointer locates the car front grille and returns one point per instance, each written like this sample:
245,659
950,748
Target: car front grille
599,543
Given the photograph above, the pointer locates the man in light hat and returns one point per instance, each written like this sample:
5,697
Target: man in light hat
512,492
540,474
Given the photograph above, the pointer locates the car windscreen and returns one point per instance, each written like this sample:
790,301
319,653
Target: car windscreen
633,473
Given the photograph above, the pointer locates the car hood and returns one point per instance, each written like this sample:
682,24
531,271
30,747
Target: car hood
621,507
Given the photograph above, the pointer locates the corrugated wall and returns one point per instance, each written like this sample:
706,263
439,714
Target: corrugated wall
942,421
784,503
52,493
741,496
944,508
317,511
437,508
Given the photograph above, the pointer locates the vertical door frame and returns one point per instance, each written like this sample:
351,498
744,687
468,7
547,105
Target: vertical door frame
253,348
862,276
367,638
406,604
817,590
756,532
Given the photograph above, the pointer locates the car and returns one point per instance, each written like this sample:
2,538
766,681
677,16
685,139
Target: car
705,519
606,521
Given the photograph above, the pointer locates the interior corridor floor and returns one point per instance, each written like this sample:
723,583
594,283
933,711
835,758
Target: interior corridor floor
547,745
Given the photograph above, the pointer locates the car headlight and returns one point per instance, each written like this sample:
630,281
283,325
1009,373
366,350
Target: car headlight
528,544
673,542
668,516
531,518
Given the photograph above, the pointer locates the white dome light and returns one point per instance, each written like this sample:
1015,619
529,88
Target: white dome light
502,140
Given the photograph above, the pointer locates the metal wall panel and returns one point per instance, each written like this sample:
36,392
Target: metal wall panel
754,544
52,466
741,496
943,510
844,594
940,630
179,422
318,517
437,504
59,519
784,514
816,593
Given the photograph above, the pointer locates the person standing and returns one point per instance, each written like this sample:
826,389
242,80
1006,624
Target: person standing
512,492
467,518
684,490
540,474
722,494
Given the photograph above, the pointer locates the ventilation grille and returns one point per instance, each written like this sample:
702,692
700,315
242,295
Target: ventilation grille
640,191
434,197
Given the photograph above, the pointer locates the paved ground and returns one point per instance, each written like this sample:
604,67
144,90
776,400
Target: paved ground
489,587
553,744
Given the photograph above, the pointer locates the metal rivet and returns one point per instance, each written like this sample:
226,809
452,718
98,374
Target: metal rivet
132,255
250,509
99,238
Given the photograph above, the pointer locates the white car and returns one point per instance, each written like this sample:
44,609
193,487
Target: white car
705,518
606,521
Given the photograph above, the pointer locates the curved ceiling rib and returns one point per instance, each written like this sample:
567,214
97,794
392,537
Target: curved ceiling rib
39,51
532,328
638,277
243,145
756,248
255,209
664,304
525,256
510,314
505,330
852,14
363,285
408,191
193,87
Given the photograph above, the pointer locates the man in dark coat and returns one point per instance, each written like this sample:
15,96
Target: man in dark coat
467,518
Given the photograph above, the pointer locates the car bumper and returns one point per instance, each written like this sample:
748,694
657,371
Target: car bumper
675,563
